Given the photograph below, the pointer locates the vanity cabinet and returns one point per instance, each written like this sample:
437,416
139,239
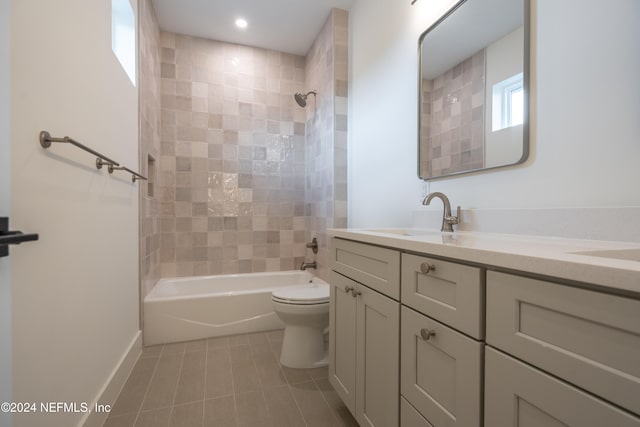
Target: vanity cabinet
588,339
441,354
364,324
441,372
449,292
519,395
430,342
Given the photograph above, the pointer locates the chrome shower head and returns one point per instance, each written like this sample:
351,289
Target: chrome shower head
302,99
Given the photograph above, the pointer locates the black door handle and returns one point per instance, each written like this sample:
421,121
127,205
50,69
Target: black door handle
8,237
16,237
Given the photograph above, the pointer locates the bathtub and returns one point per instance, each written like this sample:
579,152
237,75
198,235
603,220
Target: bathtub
193,308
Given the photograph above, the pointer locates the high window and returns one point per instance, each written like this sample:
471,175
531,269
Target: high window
123,36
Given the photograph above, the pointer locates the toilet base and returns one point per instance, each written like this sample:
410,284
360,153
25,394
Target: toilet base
304,347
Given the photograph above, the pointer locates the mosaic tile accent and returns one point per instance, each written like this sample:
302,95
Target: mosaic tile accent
453,119
149,117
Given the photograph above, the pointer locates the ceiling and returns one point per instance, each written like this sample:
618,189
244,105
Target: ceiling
285,25
473,26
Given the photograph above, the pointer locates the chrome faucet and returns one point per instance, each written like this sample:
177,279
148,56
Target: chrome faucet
306,265
448,220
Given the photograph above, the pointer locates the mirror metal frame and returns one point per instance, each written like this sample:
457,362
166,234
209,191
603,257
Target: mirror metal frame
526,85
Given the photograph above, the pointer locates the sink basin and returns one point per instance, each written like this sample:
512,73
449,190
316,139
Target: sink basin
405,231
621,254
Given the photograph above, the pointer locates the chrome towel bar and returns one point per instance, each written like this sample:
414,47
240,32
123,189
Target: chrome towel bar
114,166
46,139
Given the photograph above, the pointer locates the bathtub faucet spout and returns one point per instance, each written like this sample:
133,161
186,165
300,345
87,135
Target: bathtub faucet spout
306,265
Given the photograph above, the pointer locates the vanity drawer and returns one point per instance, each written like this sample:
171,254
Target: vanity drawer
517,394
589,338
449,292
373,266
441,376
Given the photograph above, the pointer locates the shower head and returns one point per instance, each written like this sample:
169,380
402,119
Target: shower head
302,99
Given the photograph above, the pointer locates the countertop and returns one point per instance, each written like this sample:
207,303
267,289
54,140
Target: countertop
608,264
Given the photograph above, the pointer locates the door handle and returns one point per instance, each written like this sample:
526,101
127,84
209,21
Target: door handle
16,237
9,237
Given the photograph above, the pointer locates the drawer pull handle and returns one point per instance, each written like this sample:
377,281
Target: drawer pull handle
348,289
425,268
426,334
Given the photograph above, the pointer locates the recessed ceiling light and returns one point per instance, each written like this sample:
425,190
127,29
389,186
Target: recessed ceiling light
241,23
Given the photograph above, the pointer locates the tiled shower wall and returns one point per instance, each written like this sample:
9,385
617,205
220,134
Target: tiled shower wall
232,161
454,126
149,116
326,134
426,153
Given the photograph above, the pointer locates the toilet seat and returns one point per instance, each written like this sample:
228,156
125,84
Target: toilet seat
311,294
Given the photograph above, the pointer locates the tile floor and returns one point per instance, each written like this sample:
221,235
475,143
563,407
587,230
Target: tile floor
228,381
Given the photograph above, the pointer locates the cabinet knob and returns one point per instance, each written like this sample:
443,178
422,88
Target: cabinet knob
426,334
348,289
356,293
425,268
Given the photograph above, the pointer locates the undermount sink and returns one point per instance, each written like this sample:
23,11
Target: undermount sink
621,254
405,231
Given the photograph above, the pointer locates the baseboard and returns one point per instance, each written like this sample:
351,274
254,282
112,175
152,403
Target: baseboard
112,387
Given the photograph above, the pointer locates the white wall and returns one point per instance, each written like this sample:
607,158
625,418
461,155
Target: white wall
75,291
5,274
584,124
504,58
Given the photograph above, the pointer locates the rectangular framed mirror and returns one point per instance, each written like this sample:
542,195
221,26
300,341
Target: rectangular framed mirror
474,89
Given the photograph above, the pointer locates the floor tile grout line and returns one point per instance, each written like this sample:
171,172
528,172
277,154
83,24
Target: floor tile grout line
255,349
233,381
295,401
175,392
264,396
146,391
204,388
315,381
260,387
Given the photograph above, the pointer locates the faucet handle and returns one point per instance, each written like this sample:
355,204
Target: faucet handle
313,245
454,219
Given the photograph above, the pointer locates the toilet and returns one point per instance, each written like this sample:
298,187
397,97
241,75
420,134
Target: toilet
305,312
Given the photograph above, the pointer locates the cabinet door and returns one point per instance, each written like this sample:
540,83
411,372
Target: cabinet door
518,395
378,336
441,376
409,417
342,339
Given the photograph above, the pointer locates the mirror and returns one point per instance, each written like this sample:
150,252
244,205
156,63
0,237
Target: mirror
474,82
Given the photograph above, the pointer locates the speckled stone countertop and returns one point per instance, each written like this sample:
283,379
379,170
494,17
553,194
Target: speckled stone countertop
608,264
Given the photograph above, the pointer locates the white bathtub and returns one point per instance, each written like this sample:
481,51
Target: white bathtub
192,308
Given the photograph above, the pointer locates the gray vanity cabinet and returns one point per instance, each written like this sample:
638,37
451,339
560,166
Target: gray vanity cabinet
441,355
435,342
441,372
519,395
449,292
342,339
364,325
587,340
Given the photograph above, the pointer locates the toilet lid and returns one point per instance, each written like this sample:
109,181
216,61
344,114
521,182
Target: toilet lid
315,293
